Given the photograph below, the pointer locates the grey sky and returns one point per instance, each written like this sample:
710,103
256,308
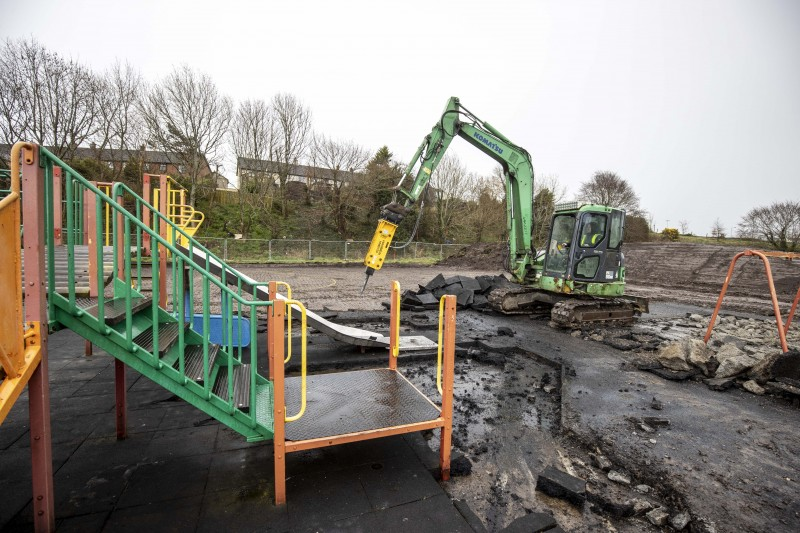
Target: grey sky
695,103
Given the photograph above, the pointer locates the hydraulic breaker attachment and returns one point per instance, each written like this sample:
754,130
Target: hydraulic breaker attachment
378,248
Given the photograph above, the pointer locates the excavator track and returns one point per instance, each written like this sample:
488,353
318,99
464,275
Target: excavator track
575,314
518,301
565,311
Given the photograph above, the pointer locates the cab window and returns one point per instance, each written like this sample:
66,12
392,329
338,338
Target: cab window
617,230
593,230
560,240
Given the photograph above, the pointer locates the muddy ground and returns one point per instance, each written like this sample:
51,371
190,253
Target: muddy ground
652,450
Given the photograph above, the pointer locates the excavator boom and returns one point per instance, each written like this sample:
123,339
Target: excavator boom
515,161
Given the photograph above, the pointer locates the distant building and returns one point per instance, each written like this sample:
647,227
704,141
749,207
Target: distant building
255,171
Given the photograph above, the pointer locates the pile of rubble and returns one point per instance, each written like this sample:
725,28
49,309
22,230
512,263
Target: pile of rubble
469,292
743,351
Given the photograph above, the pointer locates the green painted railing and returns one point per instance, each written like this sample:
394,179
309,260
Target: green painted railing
190,285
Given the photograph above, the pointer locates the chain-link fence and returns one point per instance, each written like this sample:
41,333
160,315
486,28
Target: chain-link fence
297,250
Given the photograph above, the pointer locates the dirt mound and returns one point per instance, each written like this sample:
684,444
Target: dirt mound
702,267
482,255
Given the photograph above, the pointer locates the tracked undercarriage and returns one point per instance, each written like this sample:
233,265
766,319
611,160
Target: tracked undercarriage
568,311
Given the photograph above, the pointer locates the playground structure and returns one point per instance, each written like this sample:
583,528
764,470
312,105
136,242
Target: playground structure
783,327
150,333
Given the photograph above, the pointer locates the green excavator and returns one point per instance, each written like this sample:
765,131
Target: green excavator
579,276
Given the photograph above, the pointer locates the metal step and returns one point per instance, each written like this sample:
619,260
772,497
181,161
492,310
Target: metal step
241,386
114,309
167,336
193,361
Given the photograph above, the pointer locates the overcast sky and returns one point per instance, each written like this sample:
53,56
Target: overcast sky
695,103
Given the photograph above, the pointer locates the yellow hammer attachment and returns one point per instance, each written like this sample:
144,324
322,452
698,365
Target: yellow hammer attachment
380,245
378,248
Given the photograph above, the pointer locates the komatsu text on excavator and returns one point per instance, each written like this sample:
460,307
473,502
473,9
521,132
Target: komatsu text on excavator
580,273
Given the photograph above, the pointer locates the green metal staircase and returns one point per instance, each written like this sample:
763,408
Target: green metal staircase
152,334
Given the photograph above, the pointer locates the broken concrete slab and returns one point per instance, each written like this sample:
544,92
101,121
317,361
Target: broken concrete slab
619,477
658,516
679,521
601,461
720,384
641,506
674,356
531,523
779,387
775,365
559,484
753,387
733,361
700,356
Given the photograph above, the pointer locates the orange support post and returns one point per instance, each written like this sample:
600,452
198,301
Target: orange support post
447,384
394,326
90,230
36,311
782,328
278,312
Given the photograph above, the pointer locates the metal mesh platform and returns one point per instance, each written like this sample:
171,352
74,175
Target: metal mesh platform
350,402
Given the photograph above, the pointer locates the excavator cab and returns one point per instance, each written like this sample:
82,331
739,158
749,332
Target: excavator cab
583,252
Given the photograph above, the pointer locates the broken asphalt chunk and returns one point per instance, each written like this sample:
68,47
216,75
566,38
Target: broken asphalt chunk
559,484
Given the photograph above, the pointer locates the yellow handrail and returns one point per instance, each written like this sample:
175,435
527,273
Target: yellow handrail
439,347
302,308
288,318
395,347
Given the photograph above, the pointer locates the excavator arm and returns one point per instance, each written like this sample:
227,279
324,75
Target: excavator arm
517,170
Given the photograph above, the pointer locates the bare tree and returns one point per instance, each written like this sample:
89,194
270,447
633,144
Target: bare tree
341,160
252,140
46,98
778,224
187,116
487,214
293,136
120,125
717,229
449,185
684,226
607,188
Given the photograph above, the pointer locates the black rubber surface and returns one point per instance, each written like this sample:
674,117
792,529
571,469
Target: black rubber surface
349,402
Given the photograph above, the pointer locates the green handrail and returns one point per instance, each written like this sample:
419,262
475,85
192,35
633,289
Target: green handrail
235,299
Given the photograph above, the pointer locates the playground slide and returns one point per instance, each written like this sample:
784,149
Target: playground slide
346,334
